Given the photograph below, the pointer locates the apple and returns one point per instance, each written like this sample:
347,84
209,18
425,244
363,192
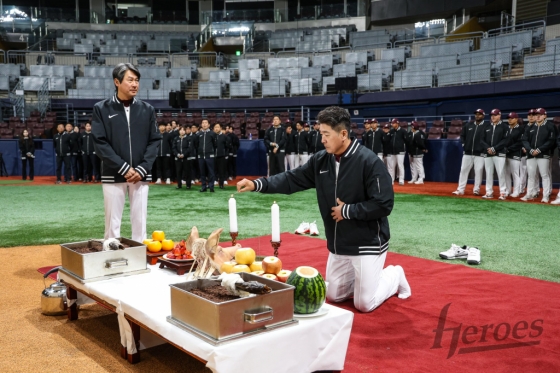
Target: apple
227,267
283,275
245,255
270,276
147,241
240,268
167,245
258,273
176,251
271,264
256,266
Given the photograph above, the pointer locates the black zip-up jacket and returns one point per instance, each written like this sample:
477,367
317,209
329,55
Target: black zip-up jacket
387,144
181,146
234,144
417,144
301,142
165,145
290,146
495,137
86,143
277,136
205,143
471,139
398,140
541,138
316,144
378,140
121,145
367,139
223,144
62,144
26,146
192,150
75,139
363,184
514,143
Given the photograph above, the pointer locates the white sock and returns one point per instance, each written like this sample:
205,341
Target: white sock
404,288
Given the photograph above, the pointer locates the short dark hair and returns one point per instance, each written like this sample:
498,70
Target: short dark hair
120,70
217,124
162,124
335,117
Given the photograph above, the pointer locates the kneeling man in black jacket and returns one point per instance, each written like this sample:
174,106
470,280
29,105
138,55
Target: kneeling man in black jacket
355,196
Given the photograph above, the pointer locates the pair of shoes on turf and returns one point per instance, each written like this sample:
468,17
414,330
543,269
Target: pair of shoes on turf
307,228
472,254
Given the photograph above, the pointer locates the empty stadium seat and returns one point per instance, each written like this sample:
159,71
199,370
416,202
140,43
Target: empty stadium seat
435,133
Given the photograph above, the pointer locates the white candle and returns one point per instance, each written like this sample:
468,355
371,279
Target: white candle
275,222
232,215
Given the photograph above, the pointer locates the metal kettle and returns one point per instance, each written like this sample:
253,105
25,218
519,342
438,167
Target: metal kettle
53,298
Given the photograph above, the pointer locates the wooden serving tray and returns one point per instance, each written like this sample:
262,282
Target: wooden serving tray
152,258
180,267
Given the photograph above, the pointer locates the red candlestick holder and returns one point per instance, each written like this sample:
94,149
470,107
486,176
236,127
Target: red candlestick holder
275,246
233,238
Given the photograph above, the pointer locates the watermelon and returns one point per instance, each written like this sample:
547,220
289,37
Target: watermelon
310,290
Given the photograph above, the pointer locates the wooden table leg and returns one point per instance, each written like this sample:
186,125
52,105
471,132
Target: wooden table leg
135,358
124,353
72,294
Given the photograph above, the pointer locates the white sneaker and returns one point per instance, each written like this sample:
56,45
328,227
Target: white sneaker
556,201
215,183
476,192
458,193
454,252
419,181
474,256
544,200
303,228
192,182
158,181
168,181
488,196
412,181
184,182
196,181
313,231
230,178
527,197
502,197
225,182
401,182
514,195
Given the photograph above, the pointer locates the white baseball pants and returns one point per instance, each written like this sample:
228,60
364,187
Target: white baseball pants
394,161
417,167
362,276
541,165
114,196
498,163
523,173
513,171
289,160
300,160
466,165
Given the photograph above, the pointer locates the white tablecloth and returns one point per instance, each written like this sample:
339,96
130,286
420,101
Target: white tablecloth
313,344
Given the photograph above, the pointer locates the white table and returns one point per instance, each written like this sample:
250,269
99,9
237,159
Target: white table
318,343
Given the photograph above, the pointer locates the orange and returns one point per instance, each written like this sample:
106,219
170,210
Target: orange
154,246
167,245
158,236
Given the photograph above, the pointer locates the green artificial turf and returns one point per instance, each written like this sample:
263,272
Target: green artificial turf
514,238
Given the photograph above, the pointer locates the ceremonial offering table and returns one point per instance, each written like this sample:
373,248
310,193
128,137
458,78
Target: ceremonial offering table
143,301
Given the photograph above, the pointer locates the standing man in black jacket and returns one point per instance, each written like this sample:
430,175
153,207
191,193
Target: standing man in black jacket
164,156
275,141
355,196
416,151
232,159
367,136
316,140
494,144
63,151
77,153
540,140
290,159
473,153
205,143
126,140
181,149
301,142
223,146
91,172
513,156
398,151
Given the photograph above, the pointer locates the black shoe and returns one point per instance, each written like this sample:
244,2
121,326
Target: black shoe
31,179
178,187
212,190
202,190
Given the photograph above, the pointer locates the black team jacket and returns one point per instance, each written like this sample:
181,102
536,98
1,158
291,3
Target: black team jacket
275,135
121,145
86,143
290,146
301,142
417,144
26,146
75,139
495,137
398,140
62,144
192,151
514,143
234,144
205,144
541,138
165,144
182,145
471,138
223,144
362,183
367,138
316,142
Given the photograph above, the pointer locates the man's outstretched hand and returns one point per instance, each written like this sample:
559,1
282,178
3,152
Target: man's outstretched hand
245,186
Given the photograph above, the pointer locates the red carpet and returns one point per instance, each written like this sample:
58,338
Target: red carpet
503,323
52,276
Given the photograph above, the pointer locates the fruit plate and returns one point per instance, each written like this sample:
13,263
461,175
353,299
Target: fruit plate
177,260
322,312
